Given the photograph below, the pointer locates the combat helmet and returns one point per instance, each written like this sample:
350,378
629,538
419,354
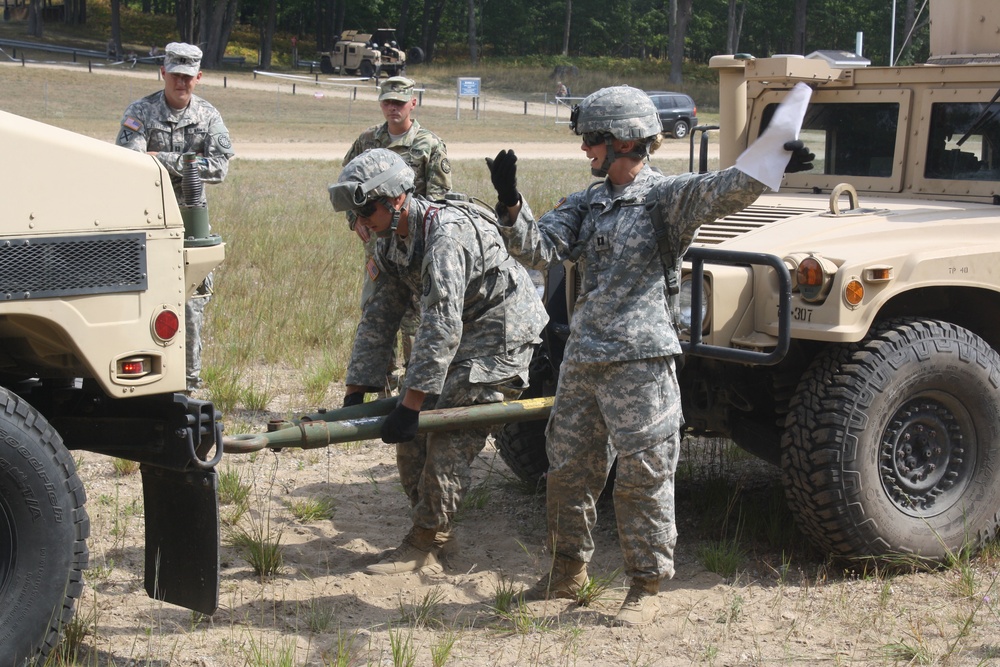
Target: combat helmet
618,112
377,175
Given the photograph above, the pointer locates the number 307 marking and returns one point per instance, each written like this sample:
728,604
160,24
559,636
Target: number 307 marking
802,314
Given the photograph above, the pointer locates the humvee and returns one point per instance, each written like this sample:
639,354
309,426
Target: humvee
846,327
93,283
365,54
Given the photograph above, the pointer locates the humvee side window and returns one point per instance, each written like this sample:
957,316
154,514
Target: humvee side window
856,139
976,157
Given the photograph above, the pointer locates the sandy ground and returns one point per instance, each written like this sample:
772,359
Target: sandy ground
321,609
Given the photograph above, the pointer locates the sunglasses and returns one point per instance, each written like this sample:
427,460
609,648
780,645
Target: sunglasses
594,138
366,211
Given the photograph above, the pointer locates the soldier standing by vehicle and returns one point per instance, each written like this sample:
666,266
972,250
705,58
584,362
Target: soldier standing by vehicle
622,335
168,124
481,319
426,154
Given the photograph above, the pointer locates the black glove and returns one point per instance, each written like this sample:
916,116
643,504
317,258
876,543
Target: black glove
503,173
400,425
801,159
357,398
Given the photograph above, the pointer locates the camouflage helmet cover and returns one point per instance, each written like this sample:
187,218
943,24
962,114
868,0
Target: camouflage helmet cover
624,112
377,173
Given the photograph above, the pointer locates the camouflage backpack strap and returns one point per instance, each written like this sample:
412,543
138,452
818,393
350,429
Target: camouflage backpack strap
668,257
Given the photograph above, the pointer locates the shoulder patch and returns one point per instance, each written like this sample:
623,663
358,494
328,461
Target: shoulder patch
446,166
132,124
225,141
372,268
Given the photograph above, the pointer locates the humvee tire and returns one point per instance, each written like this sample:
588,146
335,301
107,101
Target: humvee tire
367,69
893,443
522,448
43,531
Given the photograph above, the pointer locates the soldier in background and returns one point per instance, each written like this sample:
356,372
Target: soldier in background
481,320
168,124
617,394
426,154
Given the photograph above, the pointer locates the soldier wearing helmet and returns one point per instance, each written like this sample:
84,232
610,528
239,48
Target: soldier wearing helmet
617,394
481,319
427,156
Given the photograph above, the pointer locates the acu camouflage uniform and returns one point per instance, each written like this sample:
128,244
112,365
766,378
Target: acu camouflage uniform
151,125
622,334
426,154
481,319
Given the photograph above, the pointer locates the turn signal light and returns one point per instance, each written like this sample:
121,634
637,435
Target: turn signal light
133,367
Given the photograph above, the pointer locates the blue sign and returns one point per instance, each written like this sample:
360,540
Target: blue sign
468,86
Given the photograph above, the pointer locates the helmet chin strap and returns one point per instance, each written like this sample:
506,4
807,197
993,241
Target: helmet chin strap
610,156
395,214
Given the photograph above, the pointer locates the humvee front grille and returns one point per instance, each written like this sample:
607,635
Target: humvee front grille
72,265
751,218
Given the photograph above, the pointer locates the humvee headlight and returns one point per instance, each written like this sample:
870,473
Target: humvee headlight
685,305
814,276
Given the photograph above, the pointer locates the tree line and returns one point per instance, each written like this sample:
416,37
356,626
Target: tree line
670,30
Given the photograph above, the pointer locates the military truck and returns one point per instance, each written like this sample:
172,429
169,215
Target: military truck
365,54
846,327
94,277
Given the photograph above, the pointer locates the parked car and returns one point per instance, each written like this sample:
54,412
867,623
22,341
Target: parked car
678,112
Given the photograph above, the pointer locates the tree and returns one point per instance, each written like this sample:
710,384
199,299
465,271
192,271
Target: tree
799,27
680,15
569,19
267,33
216,21
116,26
473,50
35,18
734,25
76,12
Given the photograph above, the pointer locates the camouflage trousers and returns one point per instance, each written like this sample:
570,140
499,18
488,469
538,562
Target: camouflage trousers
435,468
407,328
628,409
194,315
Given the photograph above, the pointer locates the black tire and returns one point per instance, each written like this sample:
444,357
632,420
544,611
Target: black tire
415,55
522,448
326,65
43,533
367,69
892,444
680,129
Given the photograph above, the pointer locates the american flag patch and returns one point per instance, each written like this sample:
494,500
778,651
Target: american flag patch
372,269
132,124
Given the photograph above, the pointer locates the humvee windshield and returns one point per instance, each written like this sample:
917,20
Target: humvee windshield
858,139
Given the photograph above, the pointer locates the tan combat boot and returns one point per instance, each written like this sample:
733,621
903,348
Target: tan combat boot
641,604
417,553
566,579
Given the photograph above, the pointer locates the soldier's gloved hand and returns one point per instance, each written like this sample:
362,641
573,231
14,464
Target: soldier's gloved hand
503,173
357,398
801,158
400,425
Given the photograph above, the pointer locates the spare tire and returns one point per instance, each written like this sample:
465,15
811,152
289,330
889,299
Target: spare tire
415,55
43,534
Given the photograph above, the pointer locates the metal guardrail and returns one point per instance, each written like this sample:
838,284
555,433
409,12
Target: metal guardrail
53,48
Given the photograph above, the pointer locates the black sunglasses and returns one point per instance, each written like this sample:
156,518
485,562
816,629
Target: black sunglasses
366,211
594,138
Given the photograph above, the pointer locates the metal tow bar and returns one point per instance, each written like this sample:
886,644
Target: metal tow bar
364,422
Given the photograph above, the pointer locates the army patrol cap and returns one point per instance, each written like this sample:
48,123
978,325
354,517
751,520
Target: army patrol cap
181,58
397,88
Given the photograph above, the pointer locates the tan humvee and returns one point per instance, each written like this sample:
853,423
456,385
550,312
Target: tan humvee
879,389
362,54
95,269
849,323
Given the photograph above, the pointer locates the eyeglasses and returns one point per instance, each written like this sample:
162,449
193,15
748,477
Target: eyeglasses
594,138
366,211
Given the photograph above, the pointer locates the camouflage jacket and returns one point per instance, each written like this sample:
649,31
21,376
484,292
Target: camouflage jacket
151,125
421,149
622,311
476,301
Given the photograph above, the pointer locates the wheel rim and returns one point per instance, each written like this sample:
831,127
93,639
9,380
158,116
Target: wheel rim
927,455
8,546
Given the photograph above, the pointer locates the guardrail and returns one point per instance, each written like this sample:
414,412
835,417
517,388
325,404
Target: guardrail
52,48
